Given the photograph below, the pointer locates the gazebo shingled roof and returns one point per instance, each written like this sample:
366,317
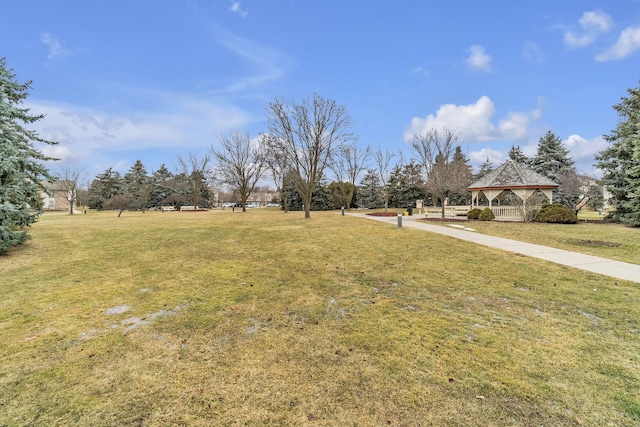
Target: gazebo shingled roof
514,178
512,175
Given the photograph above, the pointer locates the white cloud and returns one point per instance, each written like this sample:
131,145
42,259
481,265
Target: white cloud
268,63
532,53
237,9
476,158
420,71
54,45
628,43
478,60
473,122
584,150
592,24
596,20
85,134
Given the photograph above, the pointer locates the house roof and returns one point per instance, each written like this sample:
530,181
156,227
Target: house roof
58,185
510,175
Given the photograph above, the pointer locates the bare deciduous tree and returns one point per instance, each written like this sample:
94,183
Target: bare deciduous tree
383,169
278,164
435,150
308,134
194,170
240,163
72,181
347,165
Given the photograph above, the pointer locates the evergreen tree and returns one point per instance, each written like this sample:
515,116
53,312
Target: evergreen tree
162,186
552,157
393,187
370,191
406,185
620,162
460,196
485,168
21,170
516,154
137,184
412,185
103,187
321,200
552,160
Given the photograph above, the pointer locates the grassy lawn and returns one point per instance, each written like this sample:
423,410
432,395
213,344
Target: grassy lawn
263,318
614,241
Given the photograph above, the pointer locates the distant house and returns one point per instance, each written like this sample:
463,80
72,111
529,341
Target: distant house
511,190
58,197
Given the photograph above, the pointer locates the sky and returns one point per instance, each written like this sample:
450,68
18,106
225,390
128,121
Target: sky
121,80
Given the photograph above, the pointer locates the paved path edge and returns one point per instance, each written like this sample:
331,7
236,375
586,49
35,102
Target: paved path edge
617,269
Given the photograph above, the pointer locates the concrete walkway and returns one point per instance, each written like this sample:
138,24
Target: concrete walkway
594,264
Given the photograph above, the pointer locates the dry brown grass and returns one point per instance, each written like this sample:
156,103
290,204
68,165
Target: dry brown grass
265,318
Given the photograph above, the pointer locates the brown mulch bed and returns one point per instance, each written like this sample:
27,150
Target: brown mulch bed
383,214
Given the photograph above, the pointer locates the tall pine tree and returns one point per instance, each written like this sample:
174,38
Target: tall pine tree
552,160
461,196
516,154
552,157
370,191
621,161
103,187
485,168
21,168
162,186
138,185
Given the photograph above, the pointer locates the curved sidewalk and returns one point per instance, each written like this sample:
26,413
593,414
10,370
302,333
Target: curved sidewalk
594,264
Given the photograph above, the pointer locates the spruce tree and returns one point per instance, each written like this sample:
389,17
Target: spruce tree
21,168
485,168
620,162
412,185
460,195
552,157
552,160
516,154
103,187
393,187
138,185
162,186
370,191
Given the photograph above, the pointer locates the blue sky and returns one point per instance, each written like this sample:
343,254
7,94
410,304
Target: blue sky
121,80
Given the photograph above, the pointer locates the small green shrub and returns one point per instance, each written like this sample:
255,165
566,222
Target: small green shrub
487,215
556,214
474,213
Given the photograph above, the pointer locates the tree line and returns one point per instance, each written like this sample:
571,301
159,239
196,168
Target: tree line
306,144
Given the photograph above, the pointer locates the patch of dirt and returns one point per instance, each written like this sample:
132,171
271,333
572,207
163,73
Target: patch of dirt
595,243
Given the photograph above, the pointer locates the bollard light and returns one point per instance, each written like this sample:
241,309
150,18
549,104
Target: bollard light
399,220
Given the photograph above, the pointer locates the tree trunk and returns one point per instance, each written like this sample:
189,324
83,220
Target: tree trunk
307,206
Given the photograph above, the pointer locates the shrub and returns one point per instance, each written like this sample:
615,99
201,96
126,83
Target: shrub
487,215
557,214
474,213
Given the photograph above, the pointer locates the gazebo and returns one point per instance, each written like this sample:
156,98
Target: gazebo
496,188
